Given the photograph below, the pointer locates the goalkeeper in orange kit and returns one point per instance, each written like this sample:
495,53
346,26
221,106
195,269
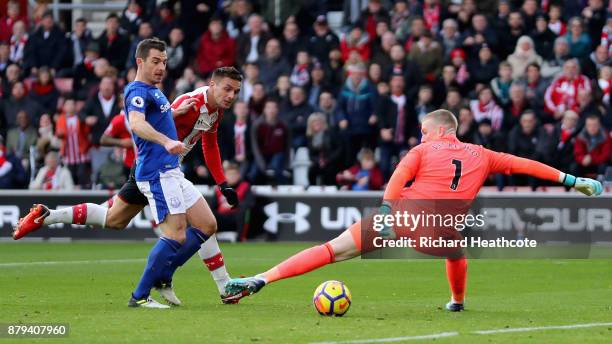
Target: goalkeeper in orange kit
443,168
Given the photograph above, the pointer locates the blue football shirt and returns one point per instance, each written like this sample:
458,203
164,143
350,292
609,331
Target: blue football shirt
152,158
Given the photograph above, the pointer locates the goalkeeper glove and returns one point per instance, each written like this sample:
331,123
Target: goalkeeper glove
230,194
587,186
386,232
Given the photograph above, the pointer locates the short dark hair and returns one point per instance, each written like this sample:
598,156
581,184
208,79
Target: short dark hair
227,72
143,48
112,15
81,20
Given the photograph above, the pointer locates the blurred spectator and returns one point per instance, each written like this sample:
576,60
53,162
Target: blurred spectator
356,40
186,83
562,94
352,11
445,82
373,14
592,148
355,113
523,55
118,135
479,33
417,27
364,175
20,101
131,18
112,174
529,10
292,42
75,143
462,74
556,24
250,45
563,139
257,101
11,76
44,91
553,67
400,18
145,30
12,173
7,22
271,143
295,113
47,141
434,13
114,45
489,138
535,87
96,115
251,76
300,74
45,47
413,76
595,61
272,64
216,48
485,67
87,75
239,11
528,140
317,84
595,15
327,106
334,70
485,107
21,138
382,53
590,104
18,42
397,124
80,38
604,82
280,92
467,125
5,59
52,176
510,32
325,150
543,38
428,55
579,41
501,84
516,107
235,139
323,40
454,102
192,12
177,58
424,104
375,73
449,36
228,218
164,21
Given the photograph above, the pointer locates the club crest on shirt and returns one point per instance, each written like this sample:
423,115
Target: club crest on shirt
175,202
138,101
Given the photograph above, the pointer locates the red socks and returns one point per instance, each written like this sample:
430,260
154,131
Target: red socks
456,272
301,263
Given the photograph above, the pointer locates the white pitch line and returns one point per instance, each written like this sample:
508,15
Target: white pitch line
542,328
62,262
395,339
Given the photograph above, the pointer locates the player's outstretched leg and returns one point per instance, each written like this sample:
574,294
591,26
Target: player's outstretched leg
347,245
456,272
39,215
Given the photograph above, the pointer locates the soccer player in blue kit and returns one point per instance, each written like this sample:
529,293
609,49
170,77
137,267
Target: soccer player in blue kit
174,201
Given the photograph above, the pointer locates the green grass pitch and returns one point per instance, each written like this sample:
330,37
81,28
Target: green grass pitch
391,298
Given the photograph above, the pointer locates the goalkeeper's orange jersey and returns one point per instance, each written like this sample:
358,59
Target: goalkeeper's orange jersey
450,169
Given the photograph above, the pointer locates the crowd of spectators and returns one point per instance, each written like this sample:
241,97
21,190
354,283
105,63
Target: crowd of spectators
529,77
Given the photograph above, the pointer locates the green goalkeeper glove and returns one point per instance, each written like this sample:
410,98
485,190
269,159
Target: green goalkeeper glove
386,232
587,186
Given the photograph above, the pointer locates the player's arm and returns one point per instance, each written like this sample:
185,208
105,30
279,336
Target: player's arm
511,164
145,131
212,156
404,172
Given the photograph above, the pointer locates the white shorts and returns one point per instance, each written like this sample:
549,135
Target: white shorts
170,194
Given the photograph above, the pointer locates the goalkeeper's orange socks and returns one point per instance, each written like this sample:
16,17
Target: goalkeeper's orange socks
80,214
300,263
456,272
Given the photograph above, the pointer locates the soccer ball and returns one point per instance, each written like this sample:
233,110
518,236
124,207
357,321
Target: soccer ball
332,298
